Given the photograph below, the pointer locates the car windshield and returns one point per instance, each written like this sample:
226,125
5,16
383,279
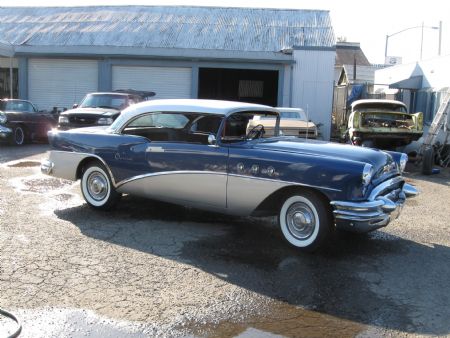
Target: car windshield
111,101
17,106
247,125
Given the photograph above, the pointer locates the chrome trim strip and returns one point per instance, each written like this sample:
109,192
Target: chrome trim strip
284,182
5,130
163,173
120,183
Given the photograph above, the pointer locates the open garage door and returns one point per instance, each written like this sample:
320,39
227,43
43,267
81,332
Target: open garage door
245,85
60,83
166,82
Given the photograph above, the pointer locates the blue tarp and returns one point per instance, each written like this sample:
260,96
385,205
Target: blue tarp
355,94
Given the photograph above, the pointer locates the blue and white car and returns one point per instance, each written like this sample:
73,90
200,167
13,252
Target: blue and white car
204,154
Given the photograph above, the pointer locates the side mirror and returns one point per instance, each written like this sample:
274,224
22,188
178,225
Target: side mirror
75,105
212,140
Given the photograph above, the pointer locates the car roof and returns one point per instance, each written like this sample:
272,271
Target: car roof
217,107
288,109
110,93
369,101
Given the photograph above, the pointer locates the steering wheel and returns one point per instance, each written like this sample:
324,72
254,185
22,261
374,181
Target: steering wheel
256,132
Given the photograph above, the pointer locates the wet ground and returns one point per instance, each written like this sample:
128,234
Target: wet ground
152,269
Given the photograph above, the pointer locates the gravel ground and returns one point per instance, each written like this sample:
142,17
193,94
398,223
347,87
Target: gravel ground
152,269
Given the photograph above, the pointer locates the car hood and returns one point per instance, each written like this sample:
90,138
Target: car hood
375,157
91,111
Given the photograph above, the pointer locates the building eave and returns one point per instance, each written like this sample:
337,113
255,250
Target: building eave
155,53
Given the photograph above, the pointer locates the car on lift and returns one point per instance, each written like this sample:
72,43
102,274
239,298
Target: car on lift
202,154
383,124
293,122
99,109
21,122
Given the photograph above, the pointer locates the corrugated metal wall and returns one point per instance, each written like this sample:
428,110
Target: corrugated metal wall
313,86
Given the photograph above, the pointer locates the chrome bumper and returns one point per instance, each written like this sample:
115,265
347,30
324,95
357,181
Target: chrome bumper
378,211
47,167
5,132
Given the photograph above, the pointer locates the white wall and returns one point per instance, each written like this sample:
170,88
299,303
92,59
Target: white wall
312,87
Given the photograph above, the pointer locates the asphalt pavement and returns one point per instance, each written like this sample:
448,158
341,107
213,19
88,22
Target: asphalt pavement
151,269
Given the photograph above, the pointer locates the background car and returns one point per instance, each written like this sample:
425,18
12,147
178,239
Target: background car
383,124
201,153
100,108
22,122
293,122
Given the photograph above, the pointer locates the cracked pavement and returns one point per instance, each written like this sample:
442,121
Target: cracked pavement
152,269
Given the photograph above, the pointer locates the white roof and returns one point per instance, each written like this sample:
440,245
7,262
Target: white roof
287,109
192,105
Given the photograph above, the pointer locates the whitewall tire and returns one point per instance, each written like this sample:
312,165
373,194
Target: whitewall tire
305,220
97,188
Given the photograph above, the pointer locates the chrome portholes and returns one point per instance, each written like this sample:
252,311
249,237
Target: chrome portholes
300,220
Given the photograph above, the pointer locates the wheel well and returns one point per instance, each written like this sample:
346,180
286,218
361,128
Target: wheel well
83,164
272,204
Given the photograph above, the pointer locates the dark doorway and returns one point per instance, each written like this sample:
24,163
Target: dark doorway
5,82
246,85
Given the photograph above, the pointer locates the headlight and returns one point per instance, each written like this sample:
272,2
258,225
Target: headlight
367,174
105,120
3,118
63,119
403,161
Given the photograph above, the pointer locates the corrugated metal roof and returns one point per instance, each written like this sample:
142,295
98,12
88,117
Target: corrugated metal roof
213,28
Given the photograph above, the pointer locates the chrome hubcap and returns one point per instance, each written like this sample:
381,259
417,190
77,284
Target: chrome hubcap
300,220
97,186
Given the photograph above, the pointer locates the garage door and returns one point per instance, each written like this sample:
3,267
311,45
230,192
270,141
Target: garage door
60,83
166,82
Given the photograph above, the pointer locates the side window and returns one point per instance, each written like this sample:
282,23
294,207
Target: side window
206,125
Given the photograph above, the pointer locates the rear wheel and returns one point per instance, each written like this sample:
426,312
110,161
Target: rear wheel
97,188
305,220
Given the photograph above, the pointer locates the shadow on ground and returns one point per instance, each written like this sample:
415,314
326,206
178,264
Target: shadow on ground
14,153
377,279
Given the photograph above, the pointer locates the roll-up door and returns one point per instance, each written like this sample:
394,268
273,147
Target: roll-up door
60,83
166,82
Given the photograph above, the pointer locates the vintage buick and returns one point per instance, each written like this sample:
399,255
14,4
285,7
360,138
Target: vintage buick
202,154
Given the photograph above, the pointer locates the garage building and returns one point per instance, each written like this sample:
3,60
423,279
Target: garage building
279,57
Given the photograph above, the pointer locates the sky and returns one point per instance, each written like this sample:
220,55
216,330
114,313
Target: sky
355,21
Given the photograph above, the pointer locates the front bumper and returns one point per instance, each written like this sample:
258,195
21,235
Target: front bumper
384,204
5,133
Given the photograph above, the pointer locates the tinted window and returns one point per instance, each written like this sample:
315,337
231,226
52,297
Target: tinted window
206,124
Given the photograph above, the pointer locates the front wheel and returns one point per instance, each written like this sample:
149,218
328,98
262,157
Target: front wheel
305,220
18,136
97,188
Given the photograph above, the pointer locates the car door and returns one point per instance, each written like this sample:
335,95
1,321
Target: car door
181,167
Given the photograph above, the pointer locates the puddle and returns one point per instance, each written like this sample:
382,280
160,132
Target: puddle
282,320
25,164
65,323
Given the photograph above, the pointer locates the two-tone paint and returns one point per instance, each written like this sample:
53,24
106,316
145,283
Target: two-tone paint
239,178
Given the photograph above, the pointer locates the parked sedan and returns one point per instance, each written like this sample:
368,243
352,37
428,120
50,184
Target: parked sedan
22,122
201,153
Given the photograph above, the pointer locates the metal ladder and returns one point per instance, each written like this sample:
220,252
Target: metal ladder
430,147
